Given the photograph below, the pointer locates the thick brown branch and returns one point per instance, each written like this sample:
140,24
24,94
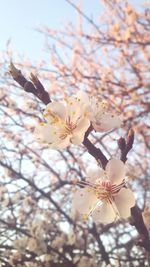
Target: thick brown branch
140,227
34,86
137,219
95,152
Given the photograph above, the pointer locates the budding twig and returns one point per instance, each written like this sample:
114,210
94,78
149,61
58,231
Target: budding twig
34,86
126,145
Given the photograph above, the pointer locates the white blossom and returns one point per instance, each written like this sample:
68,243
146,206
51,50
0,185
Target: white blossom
101,118
104,194
66,123
37,245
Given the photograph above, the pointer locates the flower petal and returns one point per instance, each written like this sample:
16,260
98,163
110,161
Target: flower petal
82,97
82,126
115,170
104,213
124,201
50,135
75,111
79,132
55,110
77,139
84,200
95,174
46,133
62,143
107,122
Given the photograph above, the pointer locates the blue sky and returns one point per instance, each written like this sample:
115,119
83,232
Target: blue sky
20,18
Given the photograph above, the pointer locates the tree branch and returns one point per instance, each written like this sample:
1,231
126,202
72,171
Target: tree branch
126,145
137,219
104,254
34,86
95,152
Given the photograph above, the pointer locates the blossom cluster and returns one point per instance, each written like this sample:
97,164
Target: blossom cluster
104,194
66,123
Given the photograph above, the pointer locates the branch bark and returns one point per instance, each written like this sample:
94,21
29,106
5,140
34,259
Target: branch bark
137,219
33,86
95,152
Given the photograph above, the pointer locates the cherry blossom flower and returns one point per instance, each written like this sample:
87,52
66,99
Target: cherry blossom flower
101,118
38,246
104,194
66,124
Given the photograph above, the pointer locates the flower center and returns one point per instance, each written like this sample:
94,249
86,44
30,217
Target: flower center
67,128
105,191
54,118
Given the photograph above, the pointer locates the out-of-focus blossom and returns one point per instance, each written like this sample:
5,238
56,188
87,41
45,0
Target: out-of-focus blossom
15,256
21,244
101,118
86,262
59,241
104,194
37,245
71,238
65,124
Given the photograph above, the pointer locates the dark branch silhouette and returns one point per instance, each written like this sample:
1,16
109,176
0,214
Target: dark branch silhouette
34,86
137,219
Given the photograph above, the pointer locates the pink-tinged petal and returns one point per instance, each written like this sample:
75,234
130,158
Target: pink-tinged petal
104,213
77,139
124,201
55,110
93,175
62,143
107,122
84,200
79,132
82,126
82,97
75,111
49,134
46,133
115,171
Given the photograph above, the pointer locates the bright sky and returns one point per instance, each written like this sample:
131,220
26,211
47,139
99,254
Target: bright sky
20,18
